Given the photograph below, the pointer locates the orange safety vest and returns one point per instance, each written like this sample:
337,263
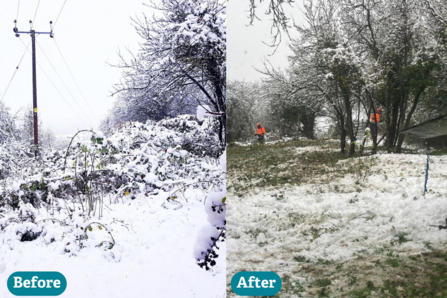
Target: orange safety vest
260,131
374,117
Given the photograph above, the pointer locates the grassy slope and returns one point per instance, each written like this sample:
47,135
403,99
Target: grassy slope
382,273
278,164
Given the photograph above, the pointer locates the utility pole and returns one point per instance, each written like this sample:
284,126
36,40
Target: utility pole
33,40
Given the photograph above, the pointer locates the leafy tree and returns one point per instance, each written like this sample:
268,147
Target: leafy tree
358,55
242,105
183,52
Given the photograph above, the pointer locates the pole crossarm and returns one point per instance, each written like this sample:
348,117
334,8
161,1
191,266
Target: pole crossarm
35,32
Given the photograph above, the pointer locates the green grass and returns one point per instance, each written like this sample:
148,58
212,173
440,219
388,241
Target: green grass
416,276
321,283
290,286
402,238
393,262
299,259
364,293
377,275
279,164
440,151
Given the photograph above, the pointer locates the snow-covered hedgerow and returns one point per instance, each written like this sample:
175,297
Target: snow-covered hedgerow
6,123
206,245
65,199
11,150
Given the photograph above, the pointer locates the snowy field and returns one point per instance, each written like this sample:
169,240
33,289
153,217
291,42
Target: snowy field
150,219
153,255
346,233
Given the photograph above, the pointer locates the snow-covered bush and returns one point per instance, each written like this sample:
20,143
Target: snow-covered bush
60,197
10,149
5,123
100,164
206,245
14,155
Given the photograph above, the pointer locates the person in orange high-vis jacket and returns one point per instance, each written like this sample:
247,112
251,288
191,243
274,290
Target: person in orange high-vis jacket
375,119
260,132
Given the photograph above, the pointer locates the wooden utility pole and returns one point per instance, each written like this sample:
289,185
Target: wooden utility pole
36,130
33,46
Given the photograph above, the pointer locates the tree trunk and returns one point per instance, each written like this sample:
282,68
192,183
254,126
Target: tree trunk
343,136
374,139
388,119
309,126
408,120
391,142
349,122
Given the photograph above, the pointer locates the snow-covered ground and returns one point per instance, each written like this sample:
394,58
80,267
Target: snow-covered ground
146,240
153,255
301,150
290,229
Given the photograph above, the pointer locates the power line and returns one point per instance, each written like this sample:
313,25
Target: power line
18,6
64,84
56,88
77,85
59,14
3,96
36,12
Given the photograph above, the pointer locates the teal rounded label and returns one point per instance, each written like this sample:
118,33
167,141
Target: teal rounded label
254,283
37,283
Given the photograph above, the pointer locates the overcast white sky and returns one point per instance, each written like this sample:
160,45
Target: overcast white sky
246,49
89,34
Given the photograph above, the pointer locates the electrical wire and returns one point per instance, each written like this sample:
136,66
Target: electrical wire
77,85
17,17
36,13
56,87
3,96
64,83
59,14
